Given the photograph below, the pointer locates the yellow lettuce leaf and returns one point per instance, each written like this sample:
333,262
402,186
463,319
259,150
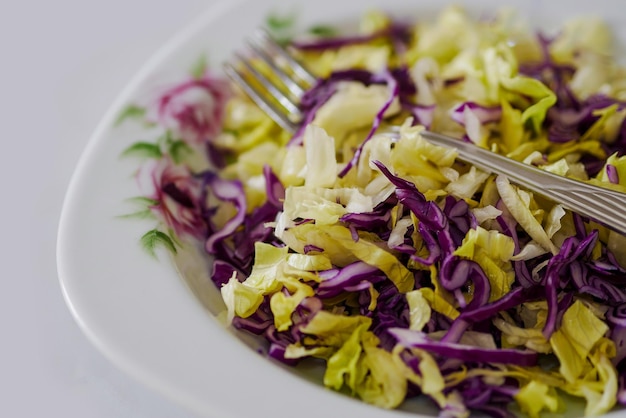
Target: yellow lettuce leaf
383,384
438,303
530,87
522,214
340,247
599,385
535,397
267,264
331,329
283,305
241,300
419,310
341,367
580,330
492,251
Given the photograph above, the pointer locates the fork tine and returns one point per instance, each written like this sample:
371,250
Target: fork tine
258,97
293,87
282,98
601,205
301,71
288,92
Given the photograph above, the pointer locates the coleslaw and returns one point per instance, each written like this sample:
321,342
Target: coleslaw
404,271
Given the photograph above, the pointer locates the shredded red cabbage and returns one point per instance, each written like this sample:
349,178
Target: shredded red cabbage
408,338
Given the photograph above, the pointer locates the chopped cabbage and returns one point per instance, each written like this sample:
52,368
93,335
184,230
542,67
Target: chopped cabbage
400,267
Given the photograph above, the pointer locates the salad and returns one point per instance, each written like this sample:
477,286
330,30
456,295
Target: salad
404,271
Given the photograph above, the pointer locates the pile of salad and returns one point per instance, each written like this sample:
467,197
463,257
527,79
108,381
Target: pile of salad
404,271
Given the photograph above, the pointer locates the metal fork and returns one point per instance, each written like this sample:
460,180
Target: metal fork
281,102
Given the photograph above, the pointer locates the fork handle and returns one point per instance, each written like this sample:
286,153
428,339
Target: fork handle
605,206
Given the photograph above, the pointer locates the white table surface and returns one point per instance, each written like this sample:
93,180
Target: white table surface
63,63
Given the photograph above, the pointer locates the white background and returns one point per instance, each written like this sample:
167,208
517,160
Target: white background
63,62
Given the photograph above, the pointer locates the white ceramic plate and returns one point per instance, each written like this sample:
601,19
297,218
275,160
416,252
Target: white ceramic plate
138,310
